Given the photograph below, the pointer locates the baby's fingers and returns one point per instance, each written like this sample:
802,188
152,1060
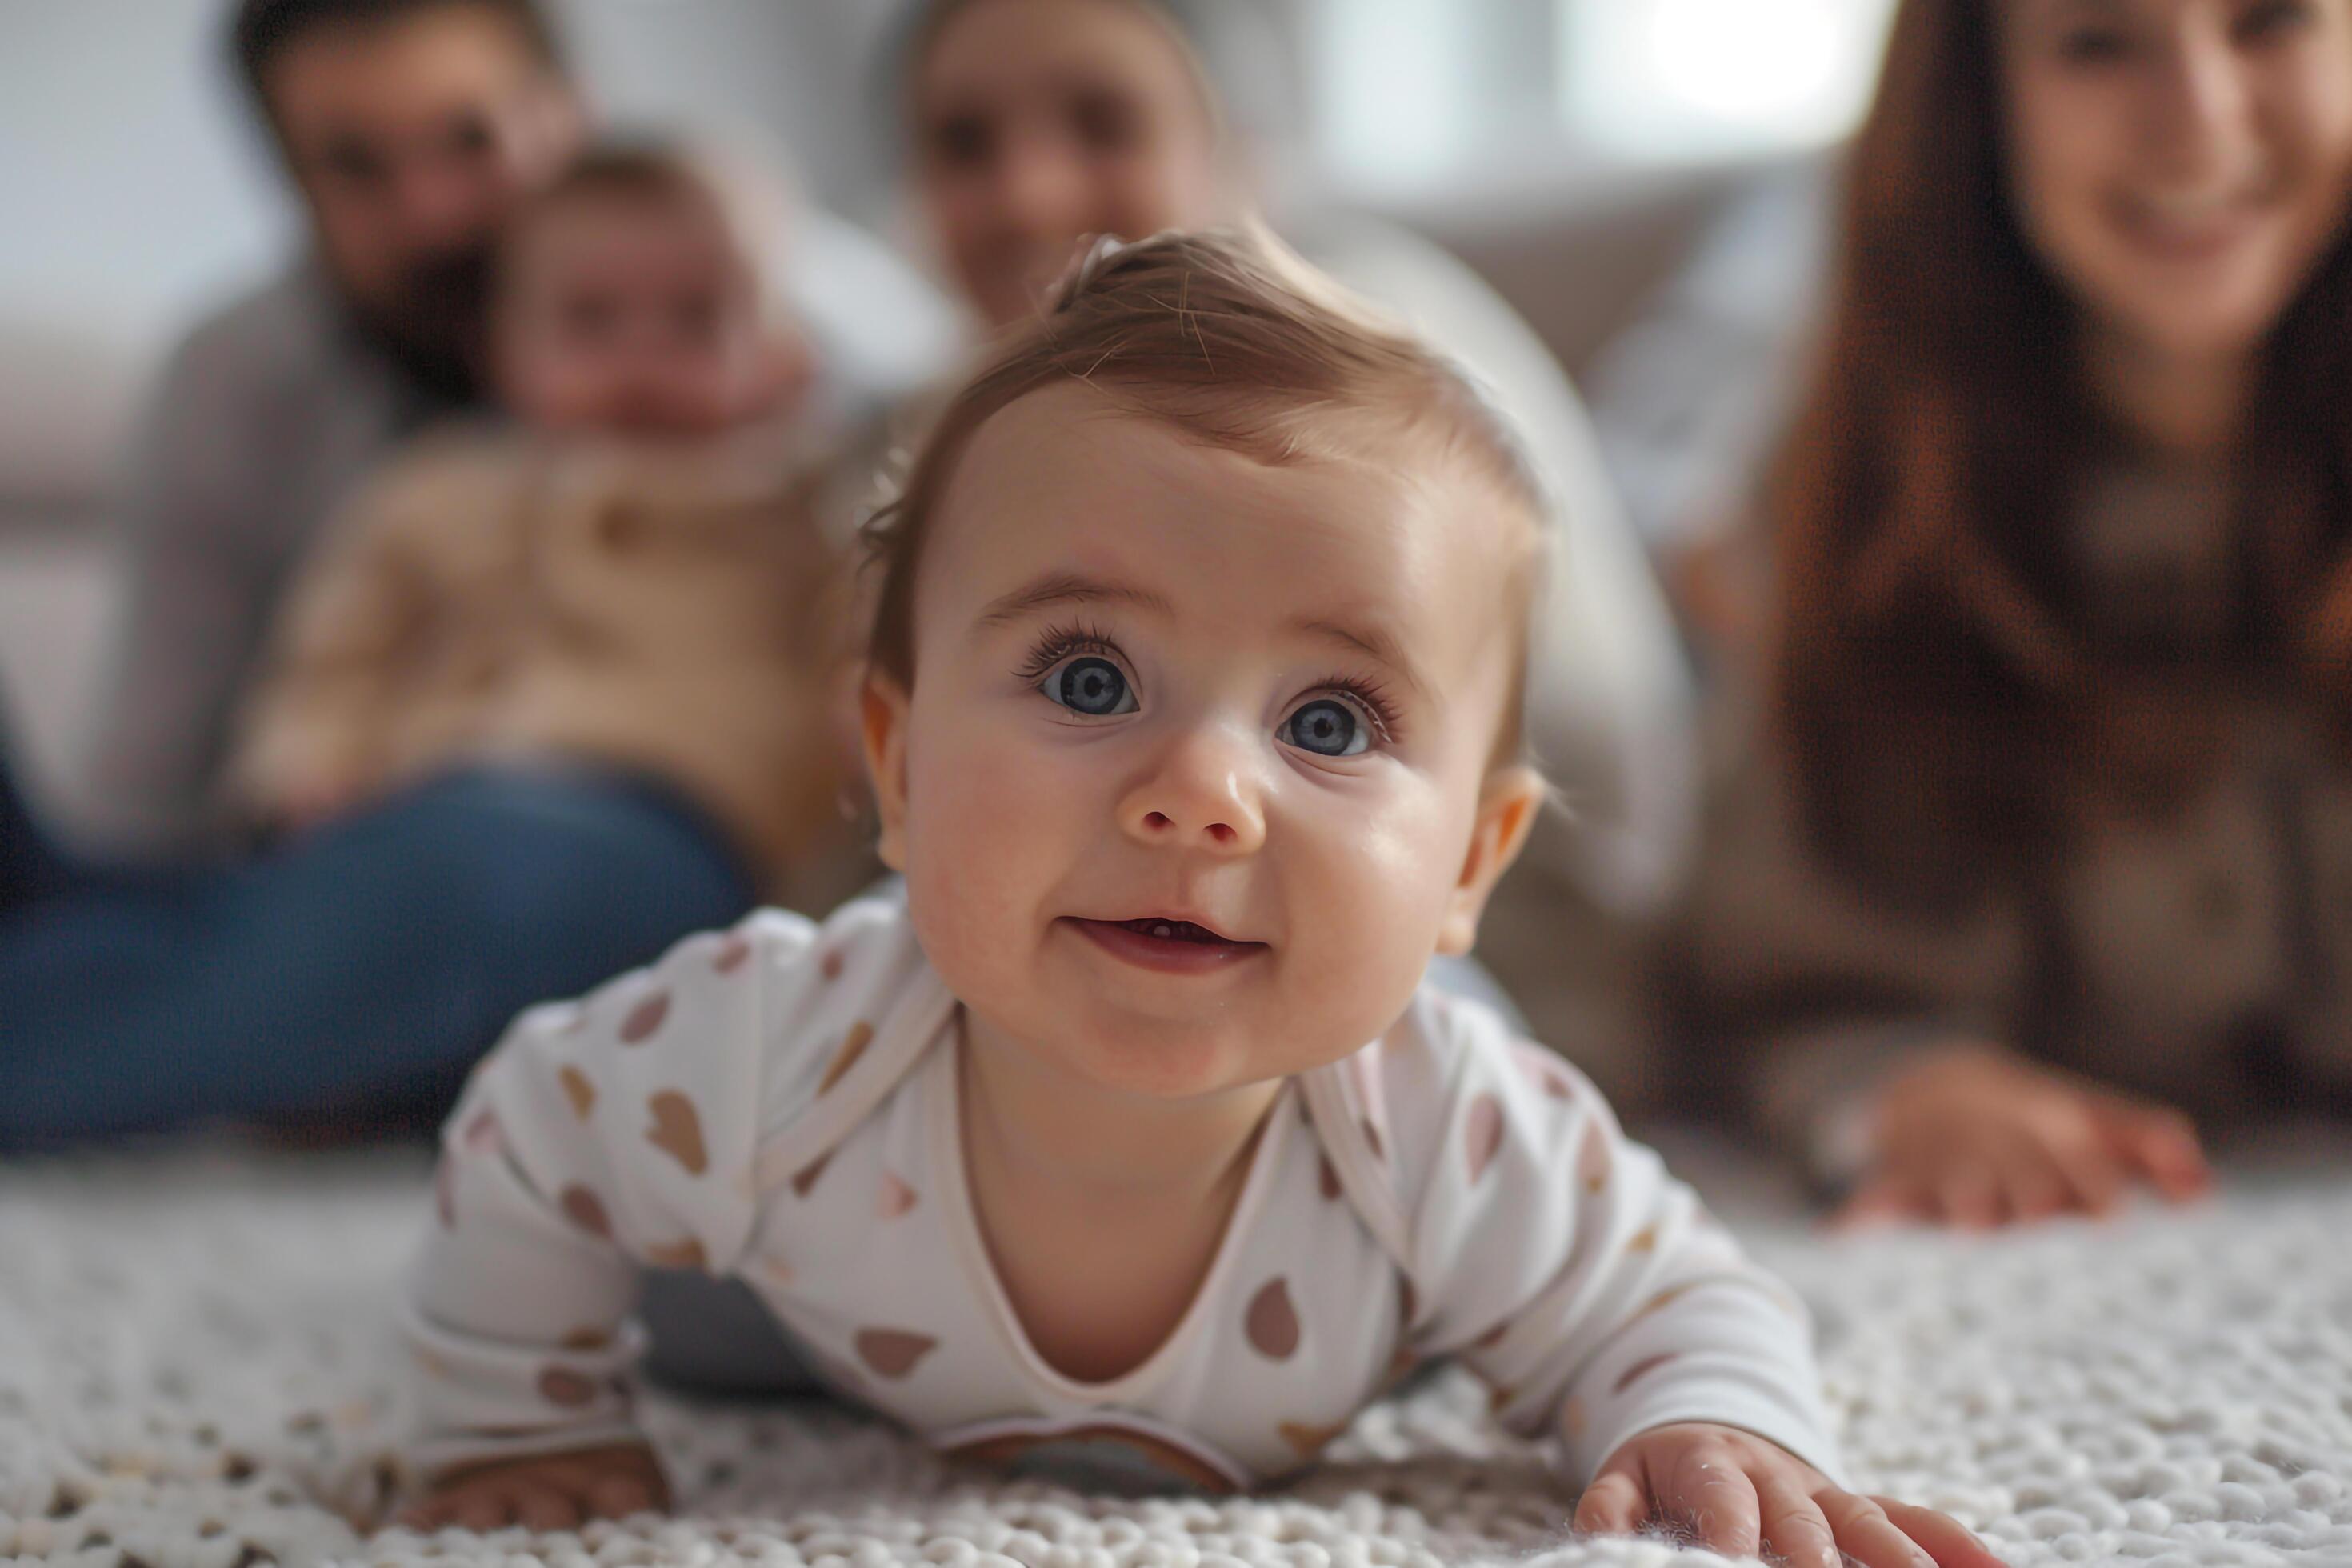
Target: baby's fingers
1943,1537
1866,1534
618,1496
2159,1143
1715,1496
1884,1200
1794,1529
481,1509
542,1507
1614,1504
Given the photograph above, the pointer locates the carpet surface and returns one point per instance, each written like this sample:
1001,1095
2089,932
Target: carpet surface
196,1369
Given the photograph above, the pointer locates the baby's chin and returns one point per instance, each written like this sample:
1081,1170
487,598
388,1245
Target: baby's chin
1119,1050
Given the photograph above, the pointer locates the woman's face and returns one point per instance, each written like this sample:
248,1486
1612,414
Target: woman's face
1039,122
2181,165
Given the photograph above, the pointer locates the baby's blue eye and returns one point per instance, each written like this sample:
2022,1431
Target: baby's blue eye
1329,728
1094,686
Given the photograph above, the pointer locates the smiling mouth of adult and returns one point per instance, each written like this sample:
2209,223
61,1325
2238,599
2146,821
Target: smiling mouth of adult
1170,945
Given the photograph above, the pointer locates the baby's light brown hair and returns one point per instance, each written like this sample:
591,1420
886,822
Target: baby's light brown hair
1234,341
751,204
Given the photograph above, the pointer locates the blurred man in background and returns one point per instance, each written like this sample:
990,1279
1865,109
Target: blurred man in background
408,127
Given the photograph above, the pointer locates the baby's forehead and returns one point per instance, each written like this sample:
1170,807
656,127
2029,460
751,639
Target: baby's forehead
1346,510
588,230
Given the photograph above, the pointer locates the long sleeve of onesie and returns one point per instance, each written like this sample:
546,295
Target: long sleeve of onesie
1556,1257
603,1135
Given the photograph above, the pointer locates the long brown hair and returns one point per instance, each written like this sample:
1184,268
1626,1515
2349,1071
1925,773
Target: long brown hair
1943,711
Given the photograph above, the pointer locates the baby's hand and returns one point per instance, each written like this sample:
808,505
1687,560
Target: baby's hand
1744,1496
1978,1137
546,1491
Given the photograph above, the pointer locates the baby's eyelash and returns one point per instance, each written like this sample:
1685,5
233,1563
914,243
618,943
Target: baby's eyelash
1058,643
1372,697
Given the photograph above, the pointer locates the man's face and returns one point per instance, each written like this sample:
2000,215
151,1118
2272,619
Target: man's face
409,138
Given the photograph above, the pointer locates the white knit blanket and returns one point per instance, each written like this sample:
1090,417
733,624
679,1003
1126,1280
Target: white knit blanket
194,1369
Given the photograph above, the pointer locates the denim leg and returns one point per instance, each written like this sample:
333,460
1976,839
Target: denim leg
32,866
369,961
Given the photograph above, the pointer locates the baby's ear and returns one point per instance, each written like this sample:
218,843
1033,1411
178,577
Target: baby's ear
883,726
1507,814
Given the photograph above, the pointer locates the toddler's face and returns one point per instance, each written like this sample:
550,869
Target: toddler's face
1194,775
638,318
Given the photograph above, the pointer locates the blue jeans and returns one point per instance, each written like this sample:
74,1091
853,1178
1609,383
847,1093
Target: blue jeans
349,975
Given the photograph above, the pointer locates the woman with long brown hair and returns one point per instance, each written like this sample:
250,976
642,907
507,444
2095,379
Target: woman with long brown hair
2050,865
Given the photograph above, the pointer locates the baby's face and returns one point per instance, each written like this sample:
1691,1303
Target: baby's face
1194,775
638,318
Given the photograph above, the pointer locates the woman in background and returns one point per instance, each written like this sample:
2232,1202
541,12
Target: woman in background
2049,864
1032,124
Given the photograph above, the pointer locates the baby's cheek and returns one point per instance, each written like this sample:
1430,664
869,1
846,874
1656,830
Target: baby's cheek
978,847
1369,916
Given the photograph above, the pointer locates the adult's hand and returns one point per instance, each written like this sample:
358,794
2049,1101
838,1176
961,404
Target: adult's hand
1977,1136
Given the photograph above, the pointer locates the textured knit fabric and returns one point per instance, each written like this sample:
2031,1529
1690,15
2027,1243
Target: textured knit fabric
664,613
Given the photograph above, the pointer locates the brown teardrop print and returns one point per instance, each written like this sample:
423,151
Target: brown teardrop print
805,1178
587,1339
830,965
1326,1178
1372,1136
1493,1336
578,1090
1501,1394
1308,1441
1593,1159
1272,1322
730,955
645,1019
562,1386
482,1134
1643,1368
1571,1416
587,1210
685,1254
853,1046
678,1130
1543,1071
431,1366
1645,1241
893,1353
897,1197
1408,1304
1481,1134
1664,1299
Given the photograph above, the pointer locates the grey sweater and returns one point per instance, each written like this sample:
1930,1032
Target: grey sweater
2200,953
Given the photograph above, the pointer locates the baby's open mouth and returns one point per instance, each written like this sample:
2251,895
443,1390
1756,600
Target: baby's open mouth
1178,946
1172,931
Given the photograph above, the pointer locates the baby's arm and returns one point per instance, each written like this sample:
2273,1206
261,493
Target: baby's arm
600,1136
1597,1297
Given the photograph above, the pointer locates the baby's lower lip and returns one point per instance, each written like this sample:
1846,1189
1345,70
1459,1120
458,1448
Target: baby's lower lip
1136,942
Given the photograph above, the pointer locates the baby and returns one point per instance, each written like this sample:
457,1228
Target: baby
1192,715
626,577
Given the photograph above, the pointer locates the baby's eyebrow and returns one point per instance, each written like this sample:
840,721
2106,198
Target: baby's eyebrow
1375,642
1069,588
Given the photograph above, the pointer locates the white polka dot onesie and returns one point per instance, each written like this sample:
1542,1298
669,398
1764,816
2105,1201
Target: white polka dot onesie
778,1103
